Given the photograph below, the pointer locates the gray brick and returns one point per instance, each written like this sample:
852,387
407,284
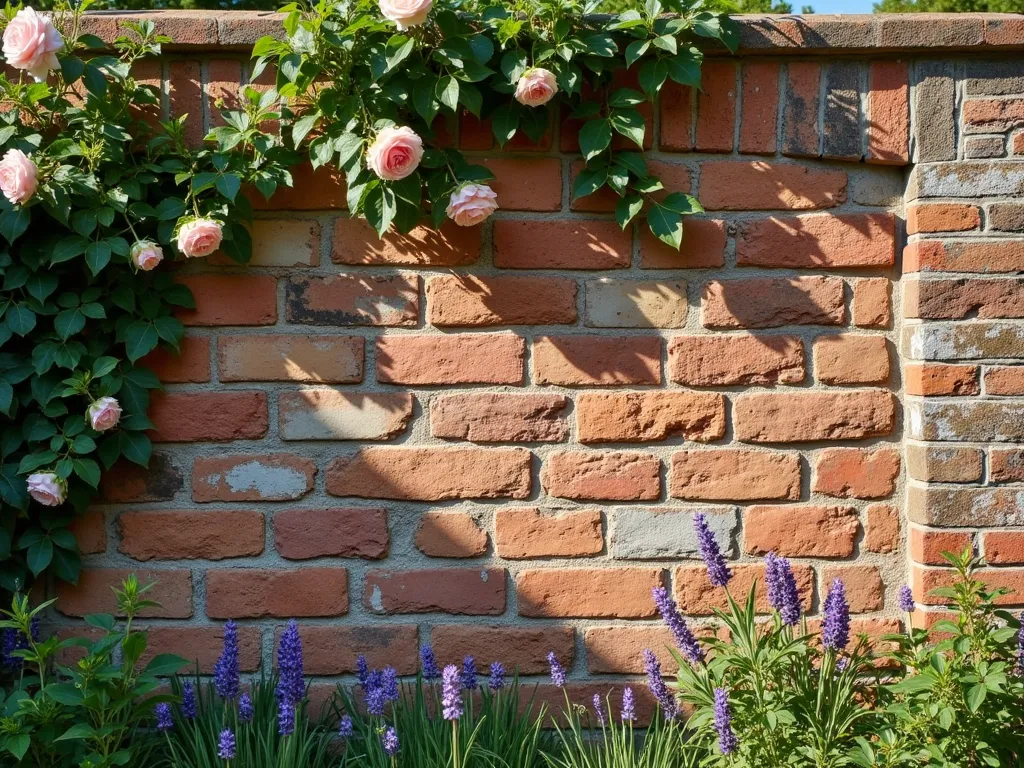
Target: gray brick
994,78
842,111
964,341
653,534
800,135
970,178
934,105
977,147
1006,217
968,420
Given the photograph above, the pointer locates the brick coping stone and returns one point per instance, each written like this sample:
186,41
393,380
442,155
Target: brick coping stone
825,34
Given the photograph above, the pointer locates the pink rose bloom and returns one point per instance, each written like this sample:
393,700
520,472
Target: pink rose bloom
46,488
536,87
104,414
395,153
31,43
146,255
471,204
199,237
17,177
406,13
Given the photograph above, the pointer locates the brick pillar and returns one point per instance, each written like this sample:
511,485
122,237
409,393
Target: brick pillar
963,339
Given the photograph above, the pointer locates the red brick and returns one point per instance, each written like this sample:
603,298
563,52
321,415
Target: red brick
760,107
943,463
856,473
962,298
1004,547
526,183
716,107
518,648
927,546
237,593
925,580
320,190
475,133
286,357
993,115
598,475
202,646
90,531
871,303
800,136
732,185
184,535
1004,380
499,417
889,113
355,242
459,591
92,594
186,94
431,474
204,416
305,533
718,360
631,417
252,477
851,359
674,176
450,534
596,360
527,532
471,300
882,530
479,358
703,247
333,650
801,531
587,593
932,379
697,596
1006,465
942,217
795,417
964,256
619,650
770,302
1018,143
190,366
333,414
864,588
128,482
552,244
676,118
354,299
230,300
224,77
818,242
734,474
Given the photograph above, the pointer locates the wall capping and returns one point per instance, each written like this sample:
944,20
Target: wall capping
760,34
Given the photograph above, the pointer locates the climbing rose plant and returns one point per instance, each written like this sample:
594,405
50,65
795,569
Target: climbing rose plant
372,86
97,198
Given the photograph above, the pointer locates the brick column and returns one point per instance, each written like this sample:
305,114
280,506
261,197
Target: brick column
963,339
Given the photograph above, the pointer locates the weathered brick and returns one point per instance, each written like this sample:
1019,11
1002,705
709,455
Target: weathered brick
1004,380
770,302
800,531
963,255
818,242
963,341
851,359
598,475
306,533
984,146
925,580
935,379
966,421
659,533
322,189
499,417
431,474
630,417
596,360
731,185
191,365
1006,465
800,109
184,535
551,244
802,416
459,591
856,473
252,477
286,357
935,108
355,242
1004,547
676,118
889,113
334,649
993,115
882,528
714,360
172,590
209,416
128,482
594,593
283,243
479,358
942,217
871,303
1006,217
943,464
963,506
841,121
238,593
230,300
472,300
350,299
450,534
966,178
526,183
699,597
703,247
614,303
864,588
956,299
994,78
331,414
716,107
734,474
760,104
523,649
927,546
528,532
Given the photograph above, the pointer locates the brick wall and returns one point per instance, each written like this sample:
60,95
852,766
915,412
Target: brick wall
495,439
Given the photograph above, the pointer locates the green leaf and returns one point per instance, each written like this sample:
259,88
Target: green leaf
136,447
64,693
634,162
18,744
595,137
303,126
165,664
97,256
448,92
14,222
140,339
601,45
666,43
21,319
228,185
635,50
666,225
653,74
68,248
88,470
588,181
505,122
626,97
630,124
94,80
682,203
68,323
39,556
41,284
170,208
423,99
627,209
398,49
685,68
76,731
976,696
